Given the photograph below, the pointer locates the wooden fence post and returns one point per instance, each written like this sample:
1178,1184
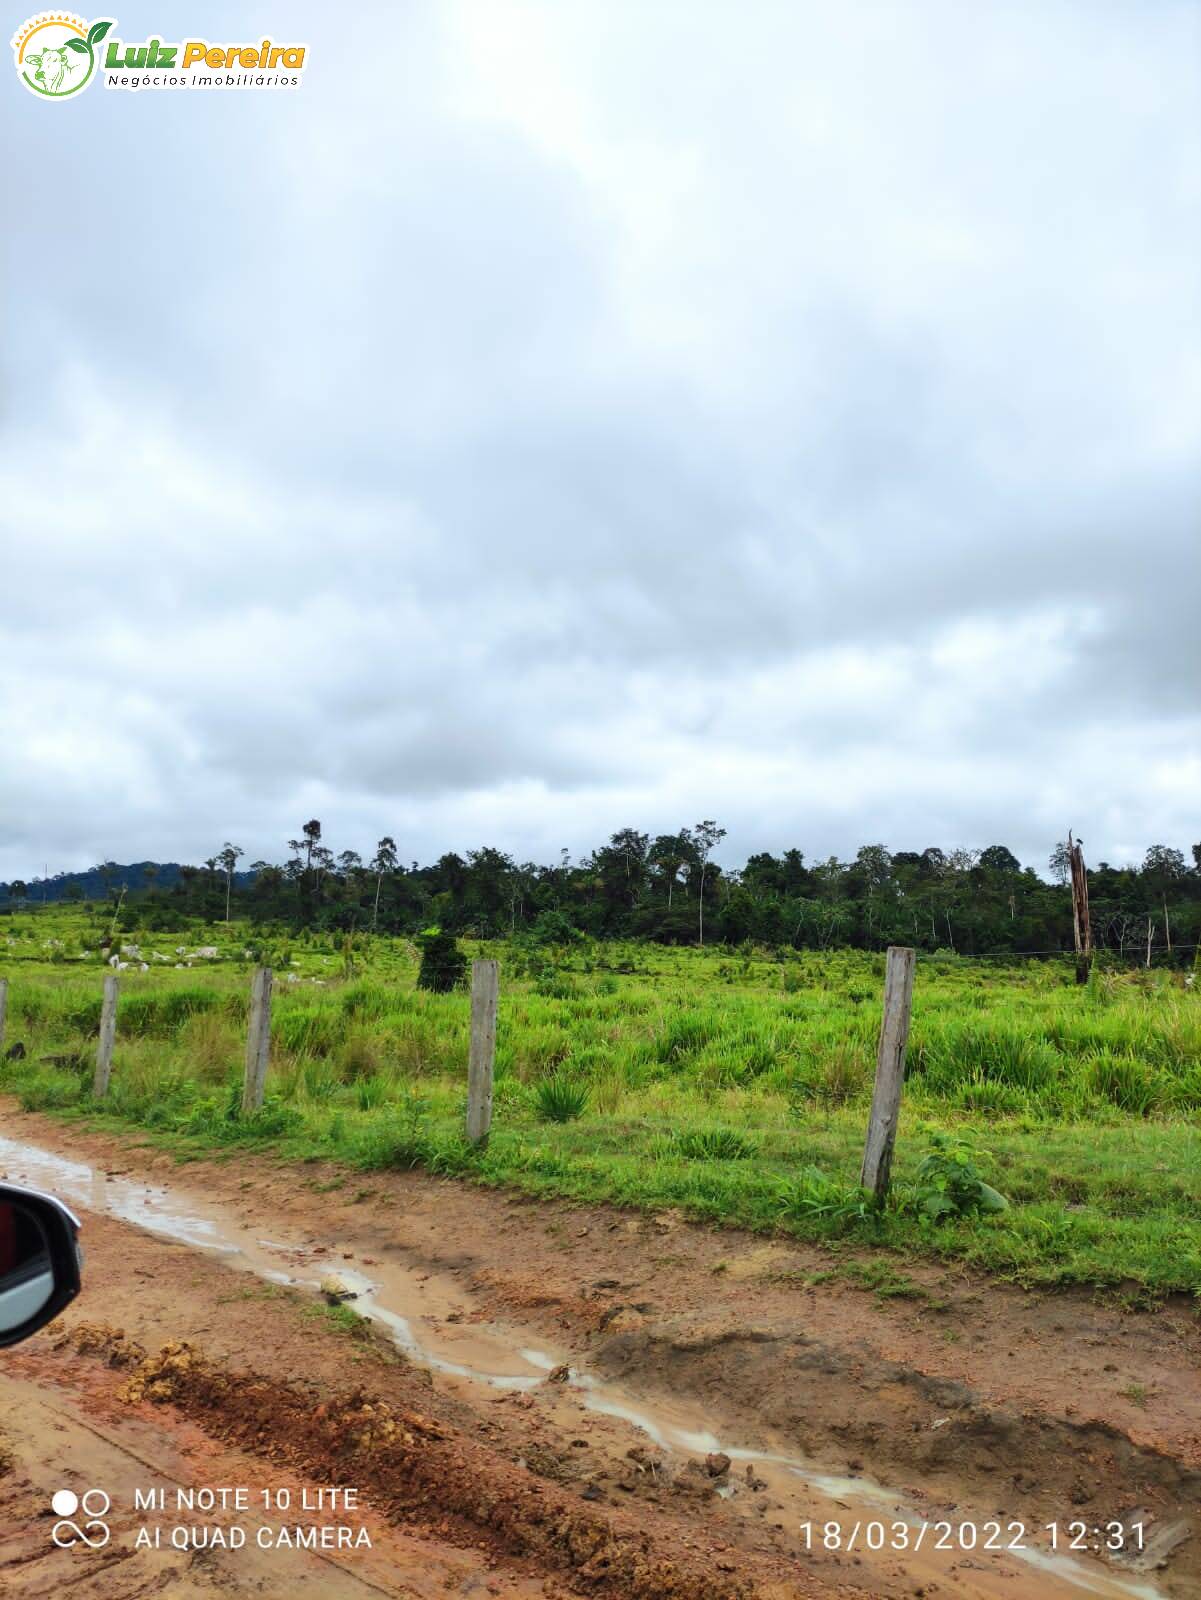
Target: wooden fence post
3,1008
108,1036
890,1071
484,987
258,1040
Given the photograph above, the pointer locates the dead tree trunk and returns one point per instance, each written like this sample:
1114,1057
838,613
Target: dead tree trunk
1081,927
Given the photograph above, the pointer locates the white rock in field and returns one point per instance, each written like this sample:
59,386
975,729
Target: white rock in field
130,950
179,966
181,949
114,961
143,966
291,978
207,952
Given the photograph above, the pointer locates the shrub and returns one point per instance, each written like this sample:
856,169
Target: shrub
161,1015
683,1037
220,1117
949,1183
837,1075
359,1057
397,1138
811,1196
982,1094
48,1091
558,1099
371,1092
714,1144
553,927
841,1074
1125,1081
319,1080
367,1000
308,1031
559,986
608,1089
443,964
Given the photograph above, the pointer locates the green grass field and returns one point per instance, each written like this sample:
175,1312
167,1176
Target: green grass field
733,1085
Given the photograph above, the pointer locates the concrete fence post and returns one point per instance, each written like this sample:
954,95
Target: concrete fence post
108,1037
258,1040
485,984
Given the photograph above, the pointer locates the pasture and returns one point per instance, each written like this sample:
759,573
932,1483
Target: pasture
731,1084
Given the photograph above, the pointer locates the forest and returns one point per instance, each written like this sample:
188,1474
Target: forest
668,888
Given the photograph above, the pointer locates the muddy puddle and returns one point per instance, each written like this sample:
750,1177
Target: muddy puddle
426,1315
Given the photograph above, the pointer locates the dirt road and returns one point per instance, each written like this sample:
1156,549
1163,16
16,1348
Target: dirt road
543,1399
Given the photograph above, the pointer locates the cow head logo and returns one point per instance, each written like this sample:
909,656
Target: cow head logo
55,53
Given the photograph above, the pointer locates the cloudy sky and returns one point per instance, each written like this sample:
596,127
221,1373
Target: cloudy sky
566,415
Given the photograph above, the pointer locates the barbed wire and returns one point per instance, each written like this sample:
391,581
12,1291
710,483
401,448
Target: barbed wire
1103,951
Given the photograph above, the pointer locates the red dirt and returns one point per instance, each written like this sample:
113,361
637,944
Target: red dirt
1019,1411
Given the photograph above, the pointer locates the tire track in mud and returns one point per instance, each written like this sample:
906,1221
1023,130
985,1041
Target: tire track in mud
411,1466
63,1427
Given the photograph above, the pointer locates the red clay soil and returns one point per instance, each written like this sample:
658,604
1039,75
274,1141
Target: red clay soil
972,1397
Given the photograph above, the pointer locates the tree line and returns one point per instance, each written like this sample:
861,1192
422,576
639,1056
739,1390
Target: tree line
668,888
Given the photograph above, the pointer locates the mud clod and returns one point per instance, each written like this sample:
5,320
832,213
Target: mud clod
412,1467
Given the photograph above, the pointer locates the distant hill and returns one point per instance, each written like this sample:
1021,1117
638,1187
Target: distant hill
96,882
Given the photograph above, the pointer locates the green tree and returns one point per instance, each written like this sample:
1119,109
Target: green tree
229,859
1060,863
667,855
383,861
1163,866
705,836
997,858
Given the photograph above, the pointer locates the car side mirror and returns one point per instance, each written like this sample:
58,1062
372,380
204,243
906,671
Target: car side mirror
39,1261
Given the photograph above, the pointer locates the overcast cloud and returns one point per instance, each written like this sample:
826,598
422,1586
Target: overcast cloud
560,416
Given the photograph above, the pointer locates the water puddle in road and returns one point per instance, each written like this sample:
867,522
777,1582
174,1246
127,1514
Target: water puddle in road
484,1354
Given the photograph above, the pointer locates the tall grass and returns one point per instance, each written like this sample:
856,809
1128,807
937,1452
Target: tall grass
708,1078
